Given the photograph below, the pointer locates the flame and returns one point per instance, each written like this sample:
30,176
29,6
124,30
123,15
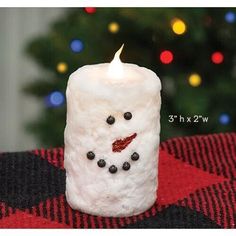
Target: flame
116,69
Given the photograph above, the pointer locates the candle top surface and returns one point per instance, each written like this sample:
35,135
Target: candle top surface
97,79
102,72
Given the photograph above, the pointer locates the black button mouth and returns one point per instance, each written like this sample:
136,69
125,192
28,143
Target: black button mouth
101,163
135,156
90,155
126,166
113,168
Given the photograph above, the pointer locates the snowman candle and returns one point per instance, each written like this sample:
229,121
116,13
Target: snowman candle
112,138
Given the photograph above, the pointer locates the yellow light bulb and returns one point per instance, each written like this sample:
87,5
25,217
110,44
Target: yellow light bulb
113,27
178,26
195,80
62,67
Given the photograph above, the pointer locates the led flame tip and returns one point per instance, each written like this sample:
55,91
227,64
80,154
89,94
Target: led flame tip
117,54
116,69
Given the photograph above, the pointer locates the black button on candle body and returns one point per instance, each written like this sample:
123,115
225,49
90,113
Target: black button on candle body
110,120
101,163
113,169
90,155
126,166
127,115
135,156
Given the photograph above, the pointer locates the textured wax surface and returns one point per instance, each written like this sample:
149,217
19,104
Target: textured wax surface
91,98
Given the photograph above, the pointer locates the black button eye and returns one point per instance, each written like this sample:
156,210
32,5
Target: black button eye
127,115
111,120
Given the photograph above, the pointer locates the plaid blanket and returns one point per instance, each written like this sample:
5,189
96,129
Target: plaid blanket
197,188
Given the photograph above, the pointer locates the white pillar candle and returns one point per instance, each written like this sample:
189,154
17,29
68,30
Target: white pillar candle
112,138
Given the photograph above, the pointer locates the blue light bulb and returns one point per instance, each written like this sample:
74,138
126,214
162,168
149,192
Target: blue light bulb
76,45
55,99
230,17
224,119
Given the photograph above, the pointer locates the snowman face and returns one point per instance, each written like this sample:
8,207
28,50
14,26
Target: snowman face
117,138
117,146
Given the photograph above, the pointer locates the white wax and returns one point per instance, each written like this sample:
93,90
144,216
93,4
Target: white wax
92,96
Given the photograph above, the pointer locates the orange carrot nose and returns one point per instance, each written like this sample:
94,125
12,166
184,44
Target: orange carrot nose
121,144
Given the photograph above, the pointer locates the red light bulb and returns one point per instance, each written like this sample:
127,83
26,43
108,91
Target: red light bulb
166,57
90,10
217,57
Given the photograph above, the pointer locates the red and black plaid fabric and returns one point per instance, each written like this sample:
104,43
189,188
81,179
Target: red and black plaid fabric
197,188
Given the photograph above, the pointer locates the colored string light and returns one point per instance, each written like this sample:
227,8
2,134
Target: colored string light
217,57
55,99
230,17
195,80
76,45
178,26
62,67
113,27
90,10
224,119
166,57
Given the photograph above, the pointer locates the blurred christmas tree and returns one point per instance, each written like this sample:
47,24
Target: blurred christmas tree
192,50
